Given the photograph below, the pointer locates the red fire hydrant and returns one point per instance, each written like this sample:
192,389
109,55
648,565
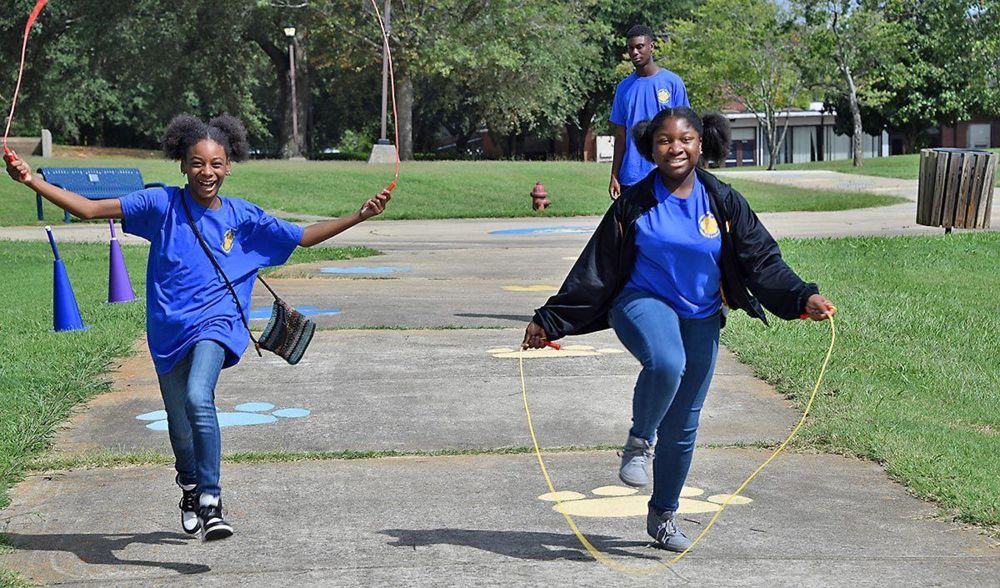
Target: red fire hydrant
539,197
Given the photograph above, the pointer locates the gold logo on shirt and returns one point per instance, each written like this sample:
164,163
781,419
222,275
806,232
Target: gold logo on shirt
708,226
227,240
663,95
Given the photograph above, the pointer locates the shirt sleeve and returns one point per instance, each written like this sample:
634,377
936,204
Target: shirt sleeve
271,240
143,212
680,94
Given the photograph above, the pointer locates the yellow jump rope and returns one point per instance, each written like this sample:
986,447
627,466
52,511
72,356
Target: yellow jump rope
628,569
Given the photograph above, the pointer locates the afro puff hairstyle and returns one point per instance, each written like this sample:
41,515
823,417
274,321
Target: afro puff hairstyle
185,131
712,127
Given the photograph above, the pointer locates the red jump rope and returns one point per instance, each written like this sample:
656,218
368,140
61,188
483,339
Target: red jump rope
8,155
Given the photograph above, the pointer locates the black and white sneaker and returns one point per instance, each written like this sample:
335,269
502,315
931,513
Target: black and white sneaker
189,507
213,526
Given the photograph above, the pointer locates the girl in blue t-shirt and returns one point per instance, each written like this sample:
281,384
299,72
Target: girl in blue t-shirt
193,323
672,254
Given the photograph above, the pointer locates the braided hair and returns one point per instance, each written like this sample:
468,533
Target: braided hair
186,130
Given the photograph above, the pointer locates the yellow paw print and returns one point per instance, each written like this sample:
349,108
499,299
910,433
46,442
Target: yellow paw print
532,288
621,501
548,352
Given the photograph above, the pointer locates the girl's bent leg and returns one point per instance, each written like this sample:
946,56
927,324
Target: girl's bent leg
206,363
679,427
650,330
173,389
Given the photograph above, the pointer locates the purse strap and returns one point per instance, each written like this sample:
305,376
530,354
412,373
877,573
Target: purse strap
218,268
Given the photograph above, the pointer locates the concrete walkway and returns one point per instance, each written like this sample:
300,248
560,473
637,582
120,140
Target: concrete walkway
452,299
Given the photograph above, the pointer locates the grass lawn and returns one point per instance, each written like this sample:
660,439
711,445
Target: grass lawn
445,189
913,383
43,374
895,166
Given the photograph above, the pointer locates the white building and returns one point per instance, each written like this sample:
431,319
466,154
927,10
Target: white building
810,137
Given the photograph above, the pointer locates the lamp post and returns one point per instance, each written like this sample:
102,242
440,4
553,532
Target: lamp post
384,151
385,70
290,35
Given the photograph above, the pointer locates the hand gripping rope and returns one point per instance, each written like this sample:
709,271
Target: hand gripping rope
7,153
392,85
637,570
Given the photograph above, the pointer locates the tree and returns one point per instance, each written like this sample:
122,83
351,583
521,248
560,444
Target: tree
515,59
740,51
949,69
851,47
114,71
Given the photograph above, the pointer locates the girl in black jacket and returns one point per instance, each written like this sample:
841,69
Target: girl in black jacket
669,259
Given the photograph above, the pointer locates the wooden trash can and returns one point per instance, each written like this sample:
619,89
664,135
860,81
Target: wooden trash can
956,188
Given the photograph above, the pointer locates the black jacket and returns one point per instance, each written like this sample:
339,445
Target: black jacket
750,260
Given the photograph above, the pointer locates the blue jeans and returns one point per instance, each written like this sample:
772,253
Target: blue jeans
188,393
678,358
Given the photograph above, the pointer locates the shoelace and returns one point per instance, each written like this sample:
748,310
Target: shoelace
636,451
666,529
189,501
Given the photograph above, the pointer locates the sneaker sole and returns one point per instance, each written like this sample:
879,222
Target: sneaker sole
632,483
192,531
675,548
217,532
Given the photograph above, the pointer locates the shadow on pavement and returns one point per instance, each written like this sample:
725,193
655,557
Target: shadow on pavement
519,544
97,548
520,319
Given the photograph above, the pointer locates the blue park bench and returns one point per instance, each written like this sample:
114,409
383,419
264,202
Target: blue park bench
95,183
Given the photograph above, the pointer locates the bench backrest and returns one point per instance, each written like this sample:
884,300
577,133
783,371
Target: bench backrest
95,182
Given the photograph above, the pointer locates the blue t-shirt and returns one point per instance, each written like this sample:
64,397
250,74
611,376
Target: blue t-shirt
186,299
678,246
637,99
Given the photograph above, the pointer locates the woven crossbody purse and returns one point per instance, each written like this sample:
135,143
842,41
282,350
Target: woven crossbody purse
288,332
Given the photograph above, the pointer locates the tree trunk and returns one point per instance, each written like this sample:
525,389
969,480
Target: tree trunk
576,131
279,58
574,140
771,136
857,131
297,146
404,86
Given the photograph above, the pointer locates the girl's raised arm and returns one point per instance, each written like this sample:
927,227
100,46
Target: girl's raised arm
318,232
72,202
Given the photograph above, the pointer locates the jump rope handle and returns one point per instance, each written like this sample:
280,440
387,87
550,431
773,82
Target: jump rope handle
805,315
553,345
8,155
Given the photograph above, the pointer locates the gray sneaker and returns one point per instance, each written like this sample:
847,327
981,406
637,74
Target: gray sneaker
663,529
636,457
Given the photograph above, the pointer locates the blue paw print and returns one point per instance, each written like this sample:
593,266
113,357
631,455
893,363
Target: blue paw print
364,269
558,230
264,312
249,413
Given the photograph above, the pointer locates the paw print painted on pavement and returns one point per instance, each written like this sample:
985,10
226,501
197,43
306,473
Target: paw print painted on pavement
248,413
548,352
531,288
621,501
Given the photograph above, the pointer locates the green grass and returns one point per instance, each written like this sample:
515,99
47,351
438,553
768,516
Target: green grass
10,579
779,198
894,166
113,460
44,374
445,189
913,383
